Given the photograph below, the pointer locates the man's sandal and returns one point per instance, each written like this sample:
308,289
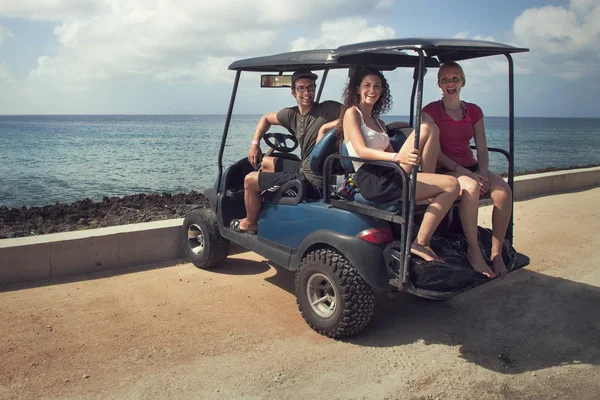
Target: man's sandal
235,226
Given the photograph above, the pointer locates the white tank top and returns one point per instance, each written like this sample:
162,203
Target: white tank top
373,139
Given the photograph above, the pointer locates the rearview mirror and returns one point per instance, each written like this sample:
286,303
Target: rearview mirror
275,81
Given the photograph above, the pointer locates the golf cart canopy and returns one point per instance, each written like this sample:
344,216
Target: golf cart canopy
381,54
317,60
442,49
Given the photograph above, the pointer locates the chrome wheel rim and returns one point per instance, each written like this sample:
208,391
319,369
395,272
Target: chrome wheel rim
321,295
196,239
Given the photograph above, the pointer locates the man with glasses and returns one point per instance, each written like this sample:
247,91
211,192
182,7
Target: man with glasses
309,121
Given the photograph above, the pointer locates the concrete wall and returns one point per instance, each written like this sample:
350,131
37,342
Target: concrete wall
73,253
556,182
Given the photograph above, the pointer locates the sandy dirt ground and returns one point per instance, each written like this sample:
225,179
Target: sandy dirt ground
177,332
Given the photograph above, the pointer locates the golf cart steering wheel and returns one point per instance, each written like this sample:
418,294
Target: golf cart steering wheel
281,142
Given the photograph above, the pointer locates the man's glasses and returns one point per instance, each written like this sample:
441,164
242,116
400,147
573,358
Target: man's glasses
310,88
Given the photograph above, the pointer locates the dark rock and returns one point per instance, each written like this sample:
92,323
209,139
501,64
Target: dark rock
85,214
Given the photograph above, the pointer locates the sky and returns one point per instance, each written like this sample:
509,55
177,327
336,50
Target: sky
171,56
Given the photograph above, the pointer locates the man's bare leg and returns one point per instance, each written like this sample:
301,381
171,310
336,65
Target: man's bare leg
252,201
268,164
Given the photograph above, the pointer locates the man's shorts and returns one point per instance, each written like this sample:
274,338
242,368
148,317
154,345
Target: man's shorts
286,170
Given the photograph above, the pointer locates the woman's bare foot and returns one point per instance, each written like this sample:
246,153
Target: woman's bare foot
424,251
479,264
498,265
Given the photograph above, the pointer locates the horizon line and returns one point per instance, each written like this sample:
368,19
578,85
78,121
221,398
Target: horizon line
222,114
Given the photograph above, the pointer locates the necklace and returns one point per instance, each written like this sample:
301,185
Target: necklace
463,109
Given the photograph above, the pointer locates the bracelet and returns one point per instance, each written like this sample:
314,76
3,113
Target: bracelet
455,166
254,142
394,156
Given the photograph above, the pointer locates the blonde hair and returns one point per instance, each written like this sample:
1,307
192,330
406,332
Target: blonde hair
455,65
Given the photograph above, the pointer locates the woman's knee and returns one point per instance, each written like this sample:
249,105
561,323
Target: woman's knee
451,185
500,192
429,131
468,185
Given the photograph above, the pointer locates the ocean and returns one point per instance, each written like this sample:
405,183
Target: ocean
49,159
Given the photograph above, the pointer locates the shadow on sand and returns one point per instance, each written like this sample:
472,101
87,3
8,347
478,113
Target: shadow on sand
529,321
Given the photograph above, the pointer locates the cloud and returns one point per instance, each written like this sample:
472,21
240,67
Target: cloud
4,72
4,33
564,41
173,40
465,35
52,10
343,31
209,70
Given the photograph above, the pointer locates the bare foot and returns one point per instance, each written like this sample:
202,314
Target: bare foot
498,265
245,226
479,264
242,226
424,251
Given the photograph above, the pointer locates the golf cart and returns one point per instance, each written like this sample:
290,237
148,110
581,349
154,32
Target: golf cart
344,249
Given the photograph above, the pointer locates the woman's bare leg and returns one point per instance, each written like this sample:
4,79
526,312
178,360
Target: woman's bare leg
430,148
439,188
469,210
429,145
502,197
443,190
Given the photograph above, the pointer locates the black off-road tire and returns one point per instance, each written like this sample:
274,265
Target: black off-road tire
203,244
351,300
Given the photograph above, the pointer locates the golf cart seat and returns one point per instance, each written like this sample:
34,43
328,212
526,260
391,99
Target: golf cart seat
295,191
327,145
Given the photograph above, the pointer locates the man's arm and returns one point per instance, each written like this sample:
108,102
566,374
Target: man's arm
263,125
326,128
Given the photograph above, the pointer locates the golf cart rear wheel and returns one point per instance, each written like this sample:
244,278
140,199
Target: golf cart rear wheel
203,244
332,297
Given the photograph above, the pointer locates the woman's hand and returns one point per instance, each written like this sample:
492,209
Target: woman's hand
412,158
481,179
484,181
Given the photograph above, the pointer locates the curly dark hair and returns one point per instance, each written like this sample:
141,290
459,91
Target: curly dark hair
351,97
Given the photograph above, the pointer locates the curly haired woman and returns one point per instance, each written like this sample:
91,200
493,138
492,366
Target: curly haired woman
366,97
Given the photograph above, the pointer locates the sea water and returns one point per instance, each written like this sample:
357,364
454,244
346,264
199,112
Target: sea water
48,159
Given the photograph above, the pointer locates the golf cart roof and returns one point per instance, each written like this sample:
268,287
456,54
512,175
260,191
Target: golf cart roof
325,59
382,54
442,49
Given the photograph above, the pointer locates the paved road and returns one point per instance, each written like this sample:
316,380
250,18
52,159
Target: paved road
179,332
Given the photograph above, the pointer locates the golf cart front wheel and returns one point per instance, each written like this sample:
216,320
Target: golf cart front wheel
203,244
332,297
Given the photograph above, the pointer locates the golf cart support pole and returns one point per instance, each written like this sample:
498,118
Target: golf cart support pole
511,142
413,179
411,117
322,85
226,129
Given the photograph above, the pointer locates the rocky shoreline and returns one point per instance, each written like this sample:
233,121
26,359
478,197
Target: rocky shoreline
111,211
87,214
